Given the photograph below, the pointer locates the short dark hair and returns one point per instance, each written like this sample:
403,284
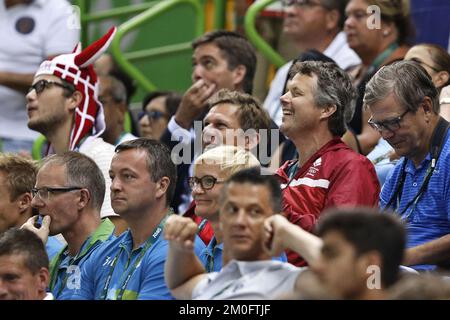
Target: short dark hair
236,50
250,113
25,242
366,229
81,171
159,163
333,87
254,176
173,100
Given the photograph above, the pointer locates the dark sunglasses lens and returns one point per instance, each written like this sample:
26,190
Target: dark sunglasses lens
155,115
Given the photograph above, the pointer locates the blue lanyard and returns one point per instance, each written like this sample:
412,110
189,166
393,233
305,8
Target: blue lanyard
150,241
210,261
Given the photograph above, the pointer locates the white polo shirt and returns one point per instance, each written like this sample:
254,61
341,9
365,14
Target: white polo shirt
29,34
252,280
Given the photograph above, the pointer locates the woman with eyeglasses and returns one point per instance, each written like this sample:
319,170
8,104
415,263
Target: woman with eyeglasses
211,170
157,109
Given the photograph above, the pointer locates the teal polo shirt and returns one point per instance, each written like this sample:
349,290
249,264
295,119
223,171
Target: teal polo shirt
117,272
65,270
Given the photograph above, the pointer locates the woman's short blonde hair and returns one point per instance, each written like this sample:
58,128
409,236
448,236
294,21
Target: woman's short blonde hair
230,159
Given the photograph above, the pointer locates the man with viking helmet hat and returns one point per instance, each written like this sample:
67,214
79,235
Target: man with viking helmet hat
63,105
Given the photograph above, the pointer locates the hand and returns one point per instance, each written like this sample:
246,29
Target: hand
273,236
194,103
181,232
42,231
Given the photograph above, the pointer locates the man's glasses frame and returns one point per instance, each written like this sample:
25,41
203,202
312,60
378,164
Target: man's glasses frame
43,84
44,192
389,124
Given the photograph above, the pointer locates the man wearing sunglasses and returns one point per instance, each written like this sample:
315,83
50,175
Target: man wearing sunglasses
30,32
63,105
311,24
404,107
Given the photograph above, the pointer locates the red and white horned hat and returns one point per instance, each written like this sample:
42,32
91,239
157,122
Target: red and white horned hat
77,69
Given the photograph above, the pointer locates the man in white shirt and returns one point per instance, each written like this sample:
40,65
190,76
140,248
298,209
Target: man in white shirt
248,199
31,31
312,24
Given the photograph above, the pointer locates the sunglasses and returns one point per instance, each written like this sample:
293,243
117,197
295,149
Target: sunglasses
152,114
43,84
390,124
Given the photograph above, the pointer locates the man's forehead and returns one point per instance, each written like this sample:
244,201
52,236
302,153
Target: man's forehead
222,111
248,193
48,77
207,49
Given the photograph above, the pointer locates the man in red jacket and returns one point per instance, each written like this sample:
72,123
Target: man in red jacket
318,104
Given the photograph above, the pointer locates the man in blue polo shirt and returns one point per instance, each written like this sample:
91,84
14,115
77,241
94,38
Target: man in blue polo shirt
132,266
404,108
69,193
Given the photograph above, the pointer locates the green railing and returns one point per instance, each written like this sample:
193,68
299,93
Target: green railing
156,10
145,12
255,38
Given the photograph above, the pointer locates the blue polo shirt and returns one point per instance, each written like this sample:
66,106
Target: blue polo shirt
429,219
145,278
211,256
65,270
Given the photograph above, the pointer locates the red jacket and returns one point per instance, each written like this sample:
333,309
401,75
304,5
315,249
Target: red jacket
205,230
335,176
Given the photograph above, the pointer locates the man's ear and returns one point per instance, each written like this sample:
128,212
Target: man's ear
24,202
161,187
85,197
328,111
441,78
251,141
239,75
43,279
74,100
332,20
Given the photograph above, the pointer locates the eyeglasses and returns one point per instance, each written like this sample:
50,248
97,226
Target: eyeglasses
424,64
43,84
152,114
44,192
390,124
206,182
301,3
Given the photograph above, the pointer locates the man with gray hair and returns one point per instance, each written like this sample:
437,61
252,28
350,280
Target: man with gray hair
404,108
69,193
318,104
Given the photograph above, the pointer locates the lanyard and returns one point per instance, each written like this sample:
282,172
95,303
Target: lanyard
383,56
73,261
437,142
292,171
150,241
210,261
